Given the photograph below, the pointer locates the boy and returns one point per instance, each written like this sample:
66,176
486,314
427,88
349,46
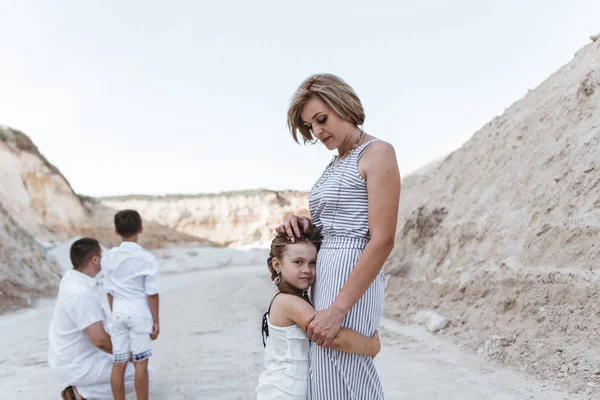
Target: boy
131,281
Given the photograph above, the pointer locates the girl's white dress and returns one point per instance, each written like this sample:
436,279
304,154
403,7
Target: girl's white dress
286,364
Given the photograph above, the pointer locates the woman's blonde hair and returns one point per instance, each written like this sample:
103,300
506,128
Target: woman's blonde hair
333,91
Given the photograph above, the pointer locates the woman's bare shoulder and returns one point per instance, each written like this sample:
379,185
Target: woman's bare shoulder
379,148
379,155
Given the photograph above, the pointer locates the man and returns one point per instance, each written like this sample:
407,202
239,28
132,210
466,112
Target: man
80,349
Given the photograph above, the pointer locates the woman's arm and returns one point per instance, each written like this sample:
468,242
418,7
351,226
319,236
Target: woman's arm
380,169
292,225
300,312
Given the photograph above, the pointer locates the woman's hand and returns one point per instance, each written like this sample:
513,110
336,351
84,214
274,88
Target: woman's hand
292,225
325,325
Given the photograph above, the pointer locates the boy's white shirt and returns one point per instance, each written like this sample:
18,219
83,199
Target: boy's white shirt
130,276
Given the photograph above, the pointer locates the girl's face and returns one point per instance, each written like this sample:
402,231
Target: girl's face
298,266
327,126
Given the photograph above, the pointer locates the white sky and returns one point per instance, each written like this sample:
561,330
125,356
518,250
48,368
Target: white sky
147,97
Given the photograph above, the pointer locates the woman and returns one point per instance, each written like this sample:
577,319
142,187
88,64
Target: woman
355,205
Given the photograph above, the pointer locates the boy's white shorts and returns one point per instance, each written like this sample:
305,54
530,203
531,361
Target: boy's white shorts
131,334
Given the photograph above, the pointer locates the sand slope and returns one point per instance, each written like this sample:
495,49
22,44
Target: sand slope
501,236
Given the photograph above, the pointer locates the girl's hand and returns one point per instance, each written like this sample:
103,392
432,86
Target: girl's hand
292,225
325,325
378,347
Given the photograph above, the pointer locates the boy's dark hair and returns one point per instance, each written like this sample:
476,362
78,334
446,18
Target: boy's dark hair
128,223
83,250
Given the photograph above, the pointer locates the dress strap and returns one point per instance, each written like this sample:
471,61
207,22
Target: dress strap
363,147
265,322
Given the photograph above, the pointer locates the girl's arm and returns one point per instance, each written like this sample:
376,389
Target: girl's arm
350,341
301,312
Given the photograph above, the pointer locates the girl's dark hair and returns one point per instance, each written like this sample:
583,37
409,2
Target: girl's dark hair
278,248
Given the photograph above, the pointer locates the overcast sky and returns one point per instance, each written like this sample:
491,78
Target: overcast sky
145,97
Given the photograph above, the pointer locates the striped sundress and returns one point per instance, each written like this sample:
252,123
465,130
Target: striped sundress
339,207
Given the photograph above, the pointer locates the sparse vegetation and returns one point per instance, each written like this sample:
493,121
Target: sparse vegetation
249,192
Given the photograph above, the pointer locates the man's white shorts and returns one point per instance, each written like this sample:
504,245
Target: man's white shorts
131,334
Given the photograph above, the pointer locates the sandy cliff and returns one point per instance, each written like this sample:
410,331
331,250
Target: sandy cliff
235,218
502,235
34,192
38,206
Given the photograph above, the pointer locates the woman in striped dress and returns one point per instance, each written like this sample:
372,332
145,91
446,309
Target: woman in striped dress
355,204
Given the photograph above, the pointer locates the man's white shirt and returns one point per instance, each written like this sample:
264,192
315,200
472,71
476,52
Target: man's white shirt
79,305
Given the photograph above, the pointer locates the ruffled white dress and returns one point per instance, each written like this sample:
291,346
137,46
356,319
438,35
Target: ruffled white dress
286,364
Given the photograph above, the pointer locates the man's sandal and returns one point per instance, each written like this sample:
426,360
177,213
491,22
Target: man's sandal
68,394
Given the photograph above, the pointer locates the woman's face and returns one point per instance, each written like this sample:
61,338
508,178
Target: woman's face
298,267
326,125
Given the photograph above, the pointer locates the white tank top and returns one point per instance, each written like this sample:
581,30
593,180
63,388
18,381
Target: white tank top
286,364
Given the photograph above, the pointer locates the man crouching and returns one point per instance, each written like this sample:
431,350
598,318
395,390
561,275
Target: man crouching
80,349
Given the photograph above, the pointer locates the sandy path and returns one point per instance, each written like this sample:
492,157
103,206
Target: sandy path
210,348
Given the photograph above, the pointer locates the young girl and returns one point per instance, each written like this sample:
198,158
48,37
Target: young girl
292,267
